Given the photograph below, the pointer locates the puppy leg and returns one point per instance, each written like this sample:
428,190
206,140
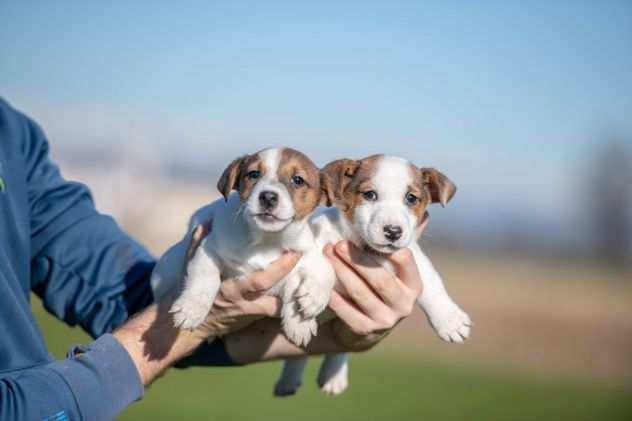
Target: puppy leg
291,377
318,279
200,288
298,329
450,322
333,375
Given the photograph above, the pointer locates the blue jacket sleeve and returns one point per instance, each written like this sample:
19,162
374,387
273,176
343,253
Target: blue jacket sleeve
96,383
88,272
84,267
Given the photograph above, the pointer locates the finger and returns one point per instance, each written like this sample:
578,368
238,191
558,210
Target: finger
422,225
348,313
355,286
379,279
263,280
406,269
264,306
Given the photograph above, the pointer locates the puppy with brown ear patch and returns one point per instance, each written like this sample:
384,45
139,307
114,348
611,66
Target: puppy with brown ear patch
275,191
379,203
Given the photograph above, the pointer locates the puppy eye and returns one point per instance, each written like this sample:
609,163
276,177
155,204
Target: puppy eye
298,180
411,199
254,174
370,195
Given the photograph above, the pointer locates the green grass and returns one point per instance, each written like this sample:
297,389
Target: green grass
383,387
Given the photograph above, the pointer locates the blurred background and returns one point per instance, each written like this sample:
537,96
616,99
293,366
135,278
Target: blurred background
526,106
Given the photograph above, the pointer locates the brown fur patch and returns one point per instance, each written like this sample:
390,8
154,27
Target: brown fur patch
420,190
347,179
230,177
246,184
334,178
307,196
235,176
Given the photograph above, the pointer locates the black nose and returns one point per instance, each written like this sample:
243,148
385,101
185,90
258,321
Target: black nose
392,232
268,199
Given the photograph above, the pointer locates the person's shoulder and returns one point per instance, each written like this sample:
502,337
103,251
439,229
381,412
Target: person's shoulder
12,125
7,111
19,130
12,121
4,103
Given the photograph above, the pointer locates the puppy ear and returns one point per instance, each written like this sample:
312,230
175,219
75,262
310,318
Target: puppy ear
334,179
325,198
441,188
229,180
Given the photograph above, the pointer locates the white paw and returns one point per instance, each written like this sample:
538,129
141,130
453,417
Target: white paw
311,299
286,387
189,311
451,323
336,384
299,331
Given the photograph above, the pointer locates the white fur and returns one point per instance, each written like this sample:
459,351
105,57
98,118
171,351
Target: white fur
240,243
284,211
391,179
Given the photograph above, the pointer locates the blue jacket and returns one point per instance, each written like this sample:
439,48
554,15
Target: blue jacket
85,269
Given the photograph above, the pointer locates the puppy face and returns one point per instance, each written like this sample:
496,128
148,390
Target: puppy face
384,197
276,186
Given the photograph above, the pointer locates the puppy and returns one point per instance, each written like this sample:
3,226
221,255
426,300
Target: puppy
276,191
380,201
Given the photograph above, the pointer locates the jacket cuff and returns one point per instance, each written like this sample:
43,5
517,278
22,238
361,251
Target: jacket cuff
102,377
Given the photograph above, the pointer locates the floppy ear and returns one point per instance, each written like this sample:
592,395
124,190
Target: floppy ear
334,178
229,180
440,187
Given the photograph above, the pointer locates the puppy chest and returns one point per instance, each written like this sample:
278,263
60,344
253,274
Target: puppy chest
239,265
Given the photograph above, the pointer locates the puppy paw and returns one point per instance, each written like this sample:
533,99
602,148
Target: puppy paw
286,387
189,311
311,299
451,323
336,384
299,331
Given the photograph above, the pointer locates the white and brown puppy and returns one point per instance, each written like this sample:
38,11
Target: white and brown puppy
379,203
276,191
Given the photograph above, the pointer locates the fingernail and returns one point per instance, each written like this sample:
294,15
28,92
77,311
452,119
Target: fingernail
328,249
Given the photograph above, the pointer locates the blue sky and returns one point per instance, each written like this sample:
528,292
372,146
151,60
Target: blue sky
501,95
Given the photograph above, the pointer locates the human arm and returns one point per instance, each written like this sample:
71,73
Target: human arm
154,343
99,380
85,269
37,206
95,384
364,317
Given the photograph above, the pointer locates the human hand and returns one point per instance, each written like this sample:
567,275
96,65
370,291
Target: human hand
374,300
154,343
